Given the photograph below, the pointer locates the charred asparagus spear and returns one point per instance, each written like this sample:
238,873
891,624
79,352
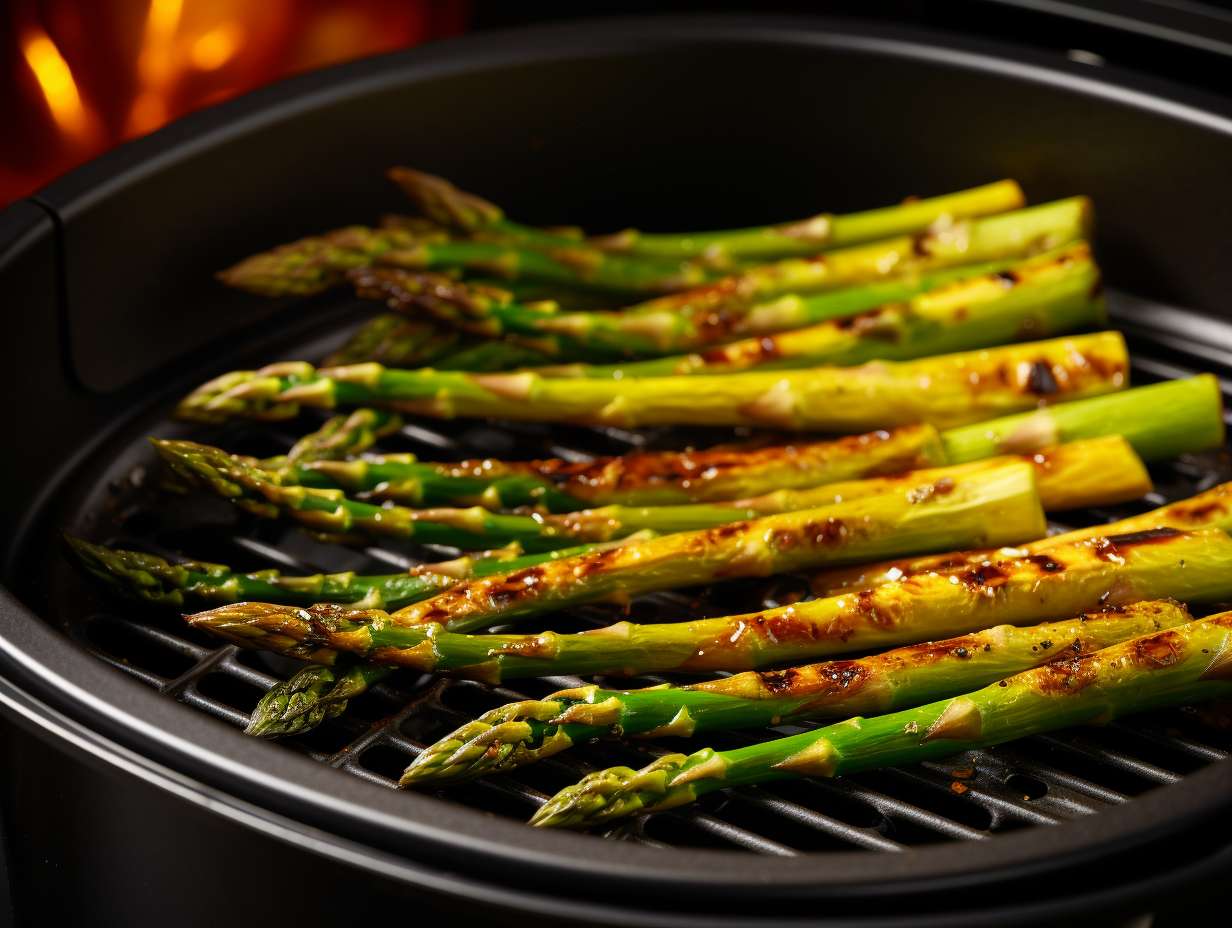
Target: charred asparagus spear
153,579
1160,421
1094,472
1211,508
444,203
1073,578
314,695
340,437
758,301
265,494
319,262
1037,298
640,478
521,733
945,391
396,341
1187,663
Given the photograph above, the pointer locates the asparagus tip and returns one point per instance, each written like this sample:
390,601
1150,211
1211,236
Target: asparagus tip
506,737
442,202
297,705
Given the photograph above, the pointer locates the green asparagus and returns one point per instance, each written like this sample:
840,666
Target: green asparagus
319,262
1080,576
1209,509
944,391
444,203
267,495
1094,472
153,579
520,733
396,341
314,695
1187,663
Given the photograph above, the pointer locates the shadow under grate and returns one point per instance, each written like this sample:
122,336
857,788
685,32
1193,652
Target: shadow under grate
1037,781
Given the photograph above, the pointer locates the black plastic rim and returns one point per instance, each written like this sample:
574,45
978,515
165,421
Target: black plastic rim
62,691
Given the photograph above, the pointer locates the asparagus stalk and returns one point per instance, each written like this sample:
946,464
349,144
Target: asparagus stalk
319,262
1161,420
1209,509
1187,663
1041,297
1095,472
945,391
641,478
444,203
268,495
1073,578
263,493
153,579
520,733
396,341
339,438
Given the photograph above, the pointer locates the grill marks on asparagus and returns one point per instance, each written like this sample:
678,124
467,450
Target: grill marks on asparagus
1191,567
947,390
1169,667
524,732
1210,509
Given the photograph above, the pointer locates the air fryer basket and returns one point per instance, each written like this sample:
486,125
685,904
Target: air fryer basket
683,123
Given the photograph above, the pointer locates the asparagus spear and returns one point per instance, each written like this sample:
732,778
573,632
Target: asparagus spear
1160,421
641,478
444,203
521,733
1095,472
1041,297
314,695
268,495
945,391
399,342
153,579
394,340
1211,508
1070,579
340,437
1188,663
319,262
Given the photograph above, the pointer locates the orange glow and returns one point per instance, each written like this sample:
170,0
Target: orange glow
156,66
79,78
214,49
56,81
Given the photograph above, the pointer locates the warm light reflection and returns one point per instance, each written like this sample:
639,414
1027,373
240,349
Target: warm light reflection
214,49
78,78
56,81
157,66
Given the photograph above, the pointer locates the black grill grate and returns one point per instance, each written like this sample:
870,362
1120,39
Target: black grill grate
1038,781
